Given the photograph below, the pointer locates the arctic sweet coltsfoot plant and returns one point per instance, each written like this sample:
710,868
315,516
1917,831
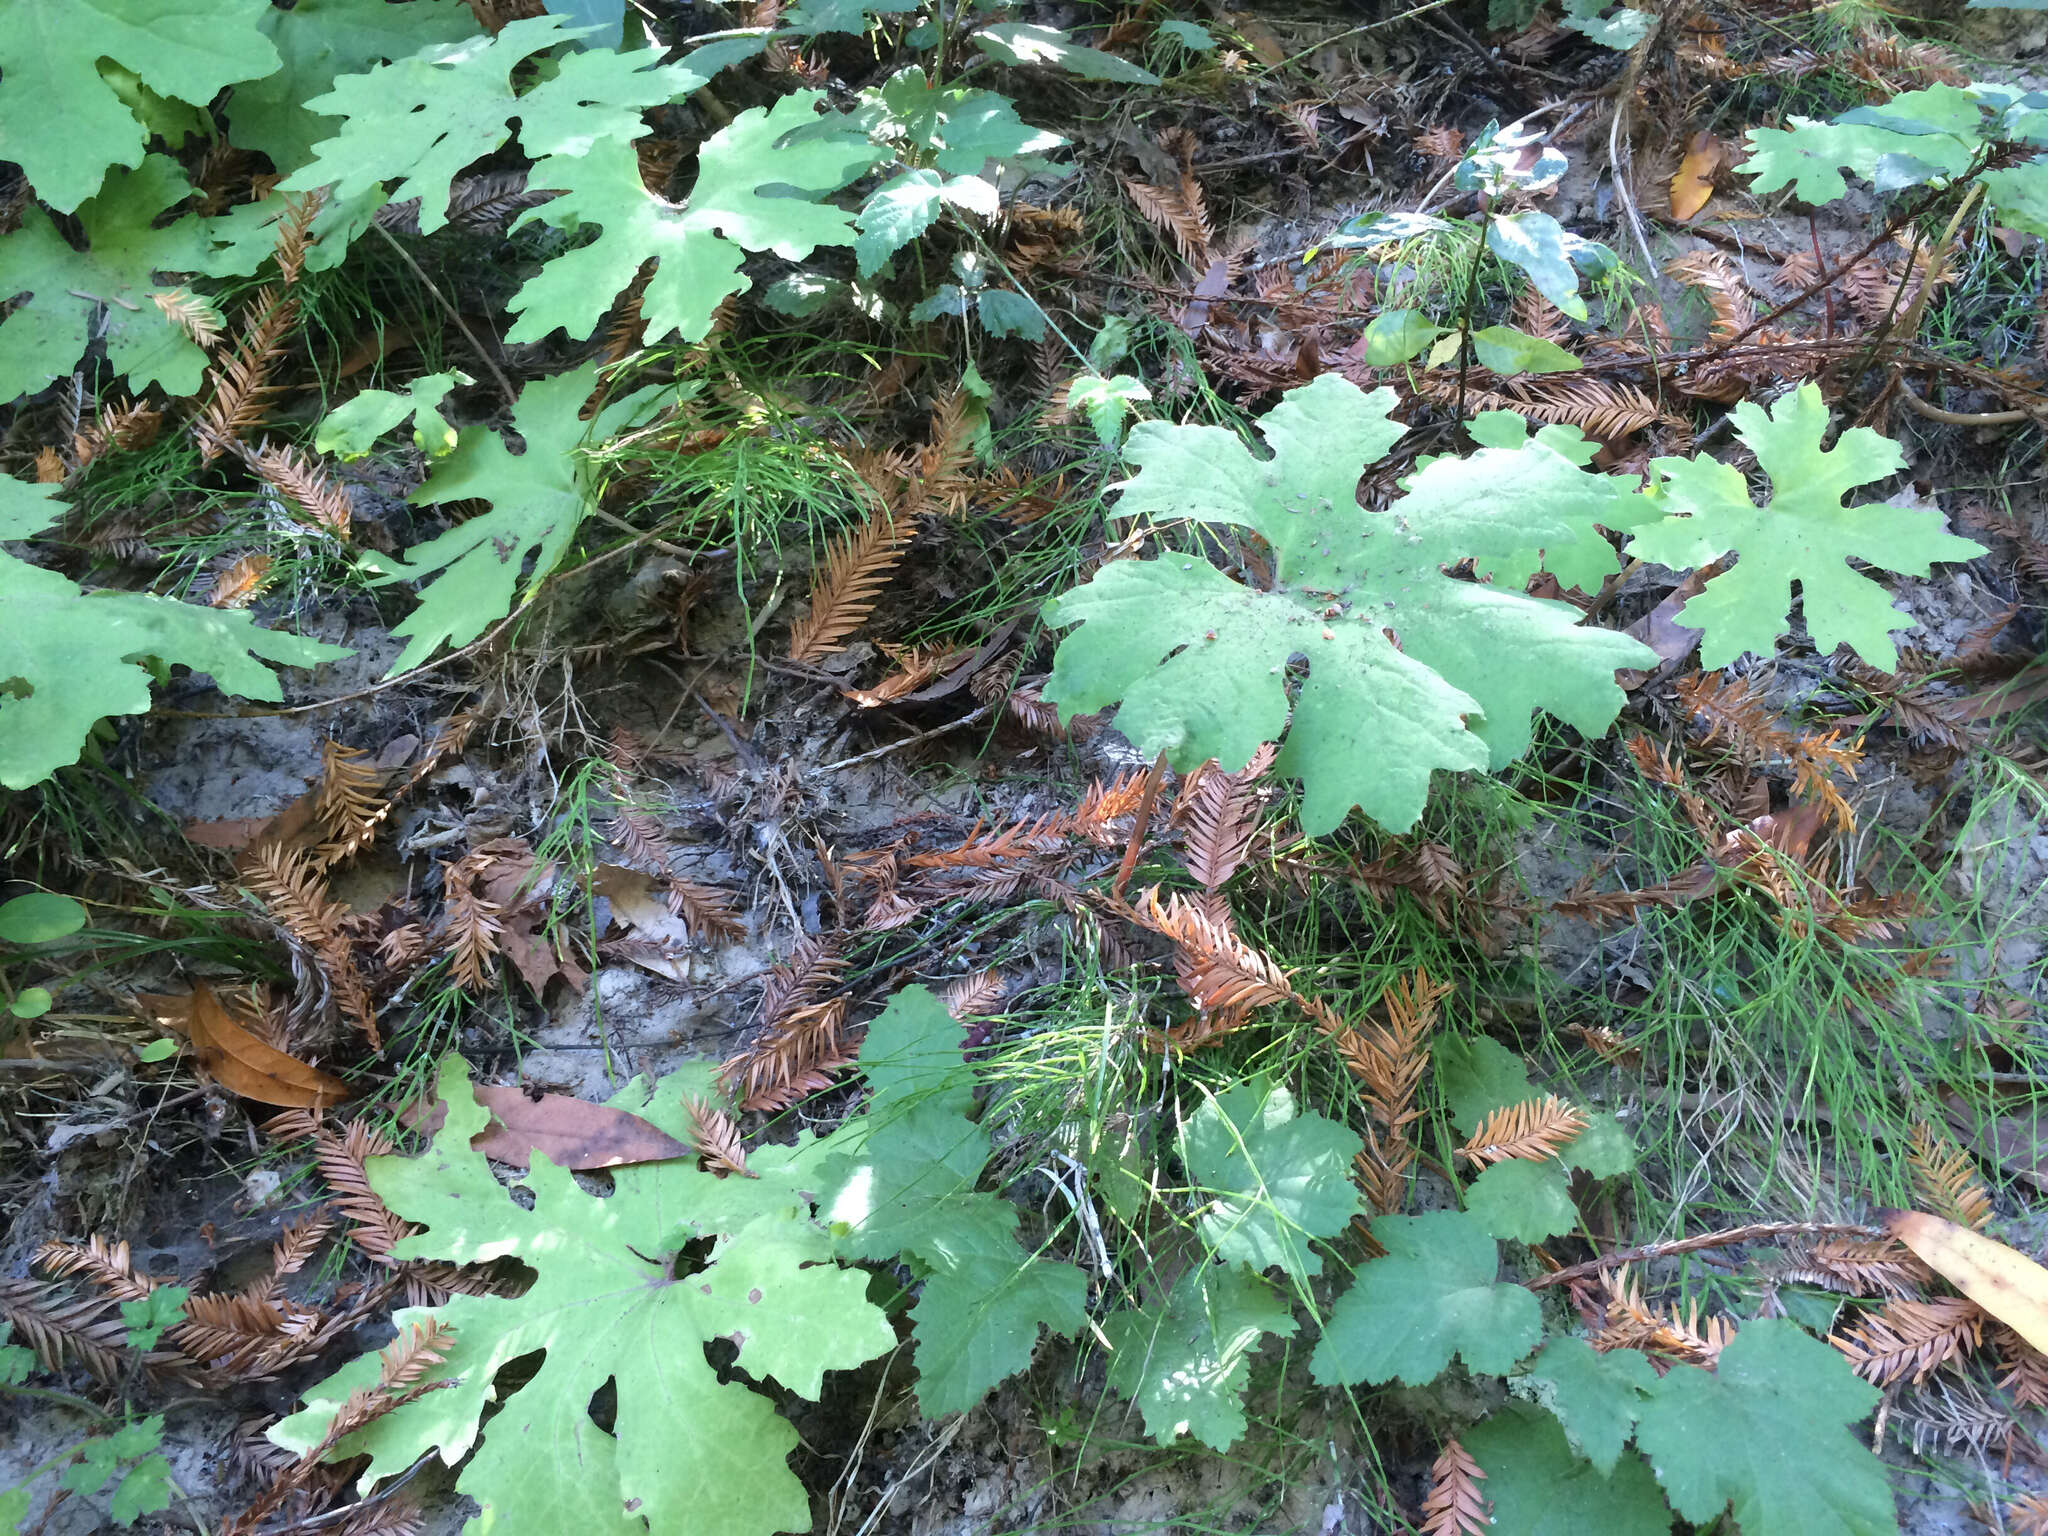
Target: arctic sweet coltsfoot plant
1804,534
629,1289
1408,669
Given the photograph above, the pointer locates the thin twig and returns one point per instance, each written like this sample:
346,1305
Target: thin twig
504,384
1755,1232
908,741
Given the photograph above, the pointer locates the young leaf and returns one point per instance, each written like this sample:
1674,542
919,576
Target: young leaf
103,294
537,500
1274,1180
1535,242
40,917
896,213
1186,1359
1539,1488
740,203
812,17
1767,1432
1621,31
1595,1396
1523,1202
612,1300
1105,402
902,1183
60,118
1004,312
68,657
1398,336
318,40
1804,534
1017,42
1373,718
1433,1295
953,129
1477,1076
1508,351
352,429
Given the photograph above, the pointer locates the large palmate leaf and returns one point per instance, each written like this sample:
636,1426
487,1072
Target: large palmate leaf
1805,534
902,1183
1907,140
69,657
742,202
1767,1432
1274,1180
61,119
69,299
537,497
1433,1295
420,120
318,40
613,1301
1186,1359
1409,669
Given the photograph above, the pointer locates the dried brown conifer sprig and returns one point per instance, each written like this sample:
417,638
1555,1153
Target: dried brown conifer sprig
1734,714
199,320
976,993
793,1056
60,1327
236,584
844,591
1179,209
708,912
473,922
1220,972
241,388
350,802
304,485
1860,1267
108,1265
1911,1339
289,886
716,1137
1455,1506
1946,1179
1220,811
1534,1131
1389,1061
1633,1324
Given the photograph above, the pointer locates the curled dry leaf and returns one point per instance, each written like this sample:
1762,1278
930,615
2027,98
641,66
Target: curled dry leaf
237,1060
2000,1279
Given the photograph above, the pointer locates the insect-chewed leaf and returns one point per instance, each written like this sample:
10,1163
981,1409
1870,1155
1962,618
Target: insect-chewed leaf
686,1451
1408,670
1186,1359
1804,535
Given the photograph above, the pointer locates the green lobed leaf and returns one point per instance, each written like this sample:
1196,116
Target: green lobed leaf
538,498
1938,130
895,213
900,1181
1199,660
1767,1435
69,657
421,120
352,428
1805,534
1594,1395
687,1452
1185,1360
1539,1488
1523,1201
954,129
316,41
64,124
145,1488
1621,31
71,299
740,203
1549,468
1432,1296
1476,1076
1020,43
1004,312
1274,1180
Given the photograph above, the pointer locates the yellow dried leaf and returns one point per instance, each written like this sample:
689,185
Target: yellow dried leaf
2000,1279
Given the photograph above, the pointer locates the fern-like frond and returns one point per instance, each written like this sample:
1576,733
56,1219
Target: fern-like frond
793,1057
1946,1179
845,589
1911,1339
1533,1130
108,1265
1455,1506
62,1328
241,389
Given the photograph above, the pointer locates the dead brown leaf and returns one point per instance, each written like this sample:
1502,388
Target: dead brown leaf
569,1132
1693,186
237,1060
